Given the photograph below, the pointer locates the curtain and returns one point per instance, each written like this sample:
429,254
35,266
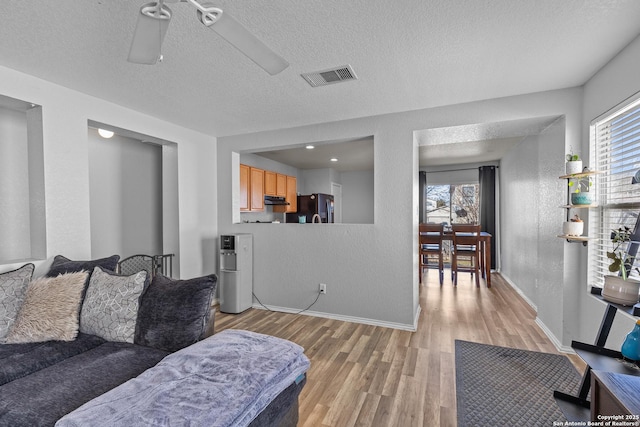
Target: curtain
422,186
488,206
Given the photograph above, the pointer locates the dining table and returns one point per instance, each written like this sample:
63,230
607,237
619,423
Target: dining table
485,252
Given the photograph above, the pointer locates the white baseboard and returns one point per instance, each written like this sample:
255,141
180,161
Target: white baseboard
415,319
557,344
554,340
364,321
519,291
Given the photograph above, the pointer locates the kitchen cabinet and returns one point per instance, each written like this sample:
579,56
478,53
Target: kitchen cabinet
244,188
255,183
256,186
270,183
251,189
291,195
281,185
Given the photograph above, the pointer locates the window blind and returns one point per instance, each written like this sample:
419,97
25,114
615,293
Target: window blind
615,152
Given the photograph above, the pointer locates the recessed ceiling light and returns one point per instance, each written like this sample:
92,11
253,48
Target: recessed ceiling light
105,133
334,159
310,147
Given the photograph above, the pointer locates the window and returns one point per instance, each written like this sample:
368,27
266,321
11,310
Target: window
469,193
615,151
452,204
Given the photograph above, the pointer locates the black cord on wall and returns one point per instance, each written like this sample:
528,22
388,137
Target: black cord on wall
301,311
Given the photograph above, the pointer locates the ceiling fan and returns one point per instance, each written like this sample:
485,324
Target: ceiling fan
153,22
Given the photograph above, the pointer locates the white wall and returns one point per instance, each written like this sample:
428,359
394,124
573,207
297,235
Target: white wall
614,83
125,177
316,181
66,159
531,194
14,191
357,197
371,269
290,260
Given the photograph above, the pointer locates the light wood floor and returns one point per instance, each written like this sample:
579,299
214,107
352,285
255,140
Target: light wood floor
364,375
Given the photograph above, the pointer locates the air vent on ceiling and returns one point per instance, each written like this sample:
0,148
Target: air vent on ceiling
330,76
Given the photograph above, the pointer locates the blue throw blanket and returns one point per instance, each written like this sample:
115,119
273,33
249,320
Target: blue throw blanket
224,380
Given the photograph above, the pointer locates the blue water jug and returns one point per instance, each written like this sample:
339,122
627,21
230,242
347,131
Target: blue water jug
631,345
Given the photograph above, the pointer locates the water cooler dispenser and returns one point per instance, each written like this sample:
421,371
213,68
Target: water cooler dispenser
236,273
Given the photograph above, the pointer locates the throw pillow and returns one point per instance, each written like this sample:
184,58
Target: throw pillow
13,286
110,307
61,265
174,313
50,310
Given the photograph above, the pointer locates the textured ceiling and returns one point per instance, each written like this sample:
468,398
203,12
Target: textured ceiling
351,155
475,143
407,55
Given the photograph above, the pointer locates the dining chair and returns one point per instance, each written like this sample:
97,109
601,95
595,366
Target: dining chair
152,264
136,263
466,247
430,238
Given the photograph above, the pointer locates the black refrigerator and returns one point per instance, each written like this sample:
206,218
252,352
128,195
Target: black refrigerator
311,204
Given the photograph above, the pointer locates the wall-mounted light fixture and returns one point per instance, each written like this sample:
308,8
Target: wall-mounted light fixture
636,178
105,133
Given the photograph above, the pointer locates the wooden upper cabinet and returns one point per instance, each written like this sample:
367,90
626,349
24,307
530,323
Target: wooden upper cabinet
256,185
244,188
270,183
292,194
281,185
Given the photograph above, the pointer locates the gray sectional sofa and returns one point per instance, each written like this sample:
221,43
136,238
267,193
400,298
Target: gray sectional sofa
83,331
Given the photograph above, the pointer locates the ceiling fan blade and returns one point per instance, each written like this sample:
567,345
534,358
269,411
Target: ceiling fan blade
233,32
151,28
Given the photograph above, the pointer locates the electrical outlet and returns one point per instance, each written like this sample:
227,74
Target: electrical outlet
323,288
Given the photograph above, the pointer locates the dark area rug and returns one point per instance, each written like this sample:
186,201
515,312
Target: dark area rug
499,386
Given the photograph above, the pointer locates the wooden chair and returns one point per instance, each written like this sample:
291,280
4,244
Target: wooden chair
430,238
466,245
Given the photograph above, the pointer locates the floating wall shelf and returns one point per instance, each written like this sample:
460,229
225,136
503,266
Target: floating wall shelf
577,239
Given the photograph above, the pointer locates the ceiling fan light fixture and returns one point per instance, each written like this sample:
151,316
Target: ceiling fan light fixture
233,32
153,22
151,28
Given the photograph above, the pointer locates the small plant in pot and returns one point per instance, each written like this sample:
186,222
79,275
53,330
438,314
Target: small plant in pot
573,165
621,289
581,190
573,227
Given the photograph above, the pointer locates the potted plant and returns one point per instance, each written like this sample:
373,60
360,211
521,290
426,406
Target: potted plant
620,288
573,227
573,165
581,190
